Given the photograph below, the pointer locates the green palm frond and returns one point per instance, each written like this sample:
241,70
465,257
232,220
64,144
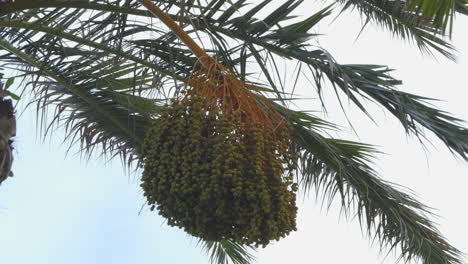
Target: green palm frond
362,81
435,16
395,219
396,18
87,109
226,252
392,15
414,112
373,82
461,6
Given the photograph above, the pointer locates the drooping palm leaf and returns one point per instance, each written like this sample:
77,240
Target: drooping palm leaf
226,252
341,168
430,15
396,18
368,81
461,6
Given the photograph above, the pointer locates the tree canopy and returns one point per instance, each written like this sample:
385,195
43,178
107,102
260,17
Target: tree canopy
105,69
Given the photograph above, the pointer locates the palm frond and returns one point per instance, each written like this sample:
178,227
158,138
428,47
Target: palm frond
395,17
374,83
86,111
415,20
414,112
227,252
409,109
368,81
461,6
390,216
436,16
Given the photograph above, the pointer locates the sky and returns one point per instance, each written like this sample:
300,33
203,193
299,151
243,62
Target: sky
61,208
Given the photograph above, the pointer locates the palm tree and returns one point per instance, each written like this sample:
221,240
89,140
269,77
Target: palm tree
108,67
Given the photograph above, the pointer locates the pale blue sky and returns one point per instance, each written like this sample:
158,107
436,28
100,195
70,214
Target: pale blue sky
65,210
62,210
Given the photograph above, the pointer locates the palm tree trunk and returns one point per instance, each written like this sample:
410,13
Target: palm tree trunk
7,131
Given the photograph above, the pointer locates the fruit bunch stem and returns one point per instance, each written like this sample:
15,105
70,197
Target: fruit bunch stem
201,54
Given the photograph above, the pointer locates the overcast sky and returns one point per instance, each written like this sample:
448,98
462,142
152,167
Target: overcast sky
61,209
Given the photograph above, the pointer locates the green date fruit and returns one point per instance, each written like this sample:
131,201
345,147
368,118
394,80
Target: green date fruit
218,178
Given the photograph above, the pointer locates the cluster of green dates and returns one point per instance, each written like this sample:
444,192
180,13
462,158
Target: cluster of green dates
217,178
